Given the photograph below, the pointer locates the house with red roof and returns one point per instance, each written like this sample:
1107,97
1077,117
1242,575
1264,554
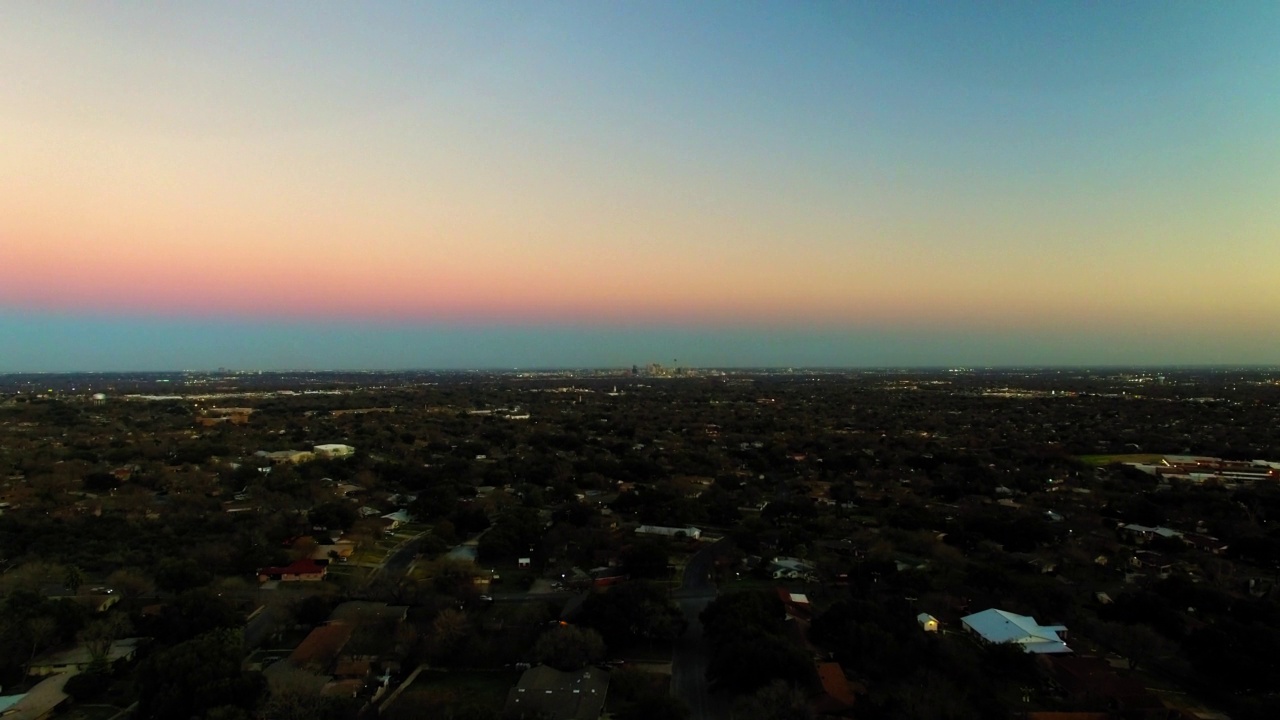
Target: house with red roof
305,569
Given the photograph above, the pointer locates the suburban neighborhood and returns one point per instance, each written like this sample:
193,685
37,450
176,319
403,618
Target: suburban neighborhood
640,544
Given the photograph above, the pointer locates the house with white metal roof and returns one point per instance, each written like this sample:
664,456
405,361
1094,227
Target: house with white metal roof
1001,626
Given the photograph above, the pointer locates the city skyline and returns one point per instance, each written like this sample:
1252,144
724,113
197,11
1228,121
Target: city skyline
579,184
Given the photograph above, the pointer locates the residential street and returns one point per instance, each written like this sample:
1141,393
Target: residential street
689,661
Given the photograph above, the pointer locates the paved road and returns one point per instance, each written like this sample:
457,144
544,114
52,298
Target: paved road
560,596
689,661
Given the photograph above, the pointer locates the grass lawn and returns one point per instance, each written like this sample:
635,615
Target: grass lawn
367,557
747,582
467,687
1101,460
512,577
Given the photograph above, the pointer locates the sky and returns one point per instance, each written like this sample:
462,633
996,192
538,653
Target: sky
289,185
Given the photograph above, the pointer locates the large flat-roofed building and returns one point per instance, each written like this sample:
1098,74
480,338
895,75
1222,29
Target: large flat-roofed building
333,450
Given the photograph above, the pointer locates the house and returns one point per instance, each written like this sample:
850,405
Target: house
321,647
1092,678
397,518
37,703
78,658
928,623
216,415
785,568
240,506
287,456
546,692
1000,626
97,598
375,638
796,605
306,569
342,549
1206,543
333,450
1143,534
1153,562
608,576
835,695
671,532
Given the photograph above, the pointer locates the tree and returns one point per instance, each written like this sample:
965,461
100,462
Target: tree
41,632
304,547
877,637
928,695
654,706
333,516
742,614
567,647
776,701
447,630
638,695
99,482
193,677
193,613
99,635
131,583
633,612
296,696
177,575
514,535
1140,643
646,559
312,610
72,578
747,662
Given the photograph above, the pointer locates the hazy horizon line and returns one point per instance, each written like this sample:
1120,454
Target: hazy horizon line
623,368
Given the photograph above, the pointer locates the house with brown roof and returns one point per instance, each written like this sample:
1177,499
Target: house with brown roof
320,649
1088,678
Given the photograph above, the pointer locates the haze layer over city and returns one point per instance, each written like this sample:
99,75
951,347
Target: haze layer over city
639,361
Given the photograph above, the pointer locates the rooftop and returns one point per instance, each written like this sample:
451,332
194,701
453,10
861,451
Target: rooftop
1001,626
559,695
